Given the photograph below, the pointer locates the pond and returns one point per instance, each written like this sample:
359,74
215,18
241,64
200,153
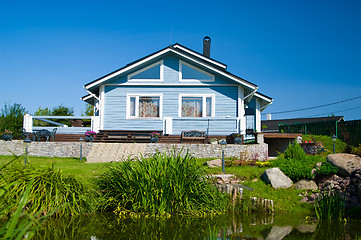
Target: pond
287,226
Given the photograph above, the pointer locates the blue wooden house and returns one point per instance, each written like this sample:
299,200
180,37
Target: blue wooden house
176,89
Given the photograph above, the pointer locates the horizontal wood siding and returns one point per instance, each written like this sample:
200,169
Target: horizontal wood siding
115,106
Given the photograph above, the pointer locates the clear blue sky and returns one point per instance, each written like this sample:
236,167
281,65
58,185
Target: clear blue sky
300,53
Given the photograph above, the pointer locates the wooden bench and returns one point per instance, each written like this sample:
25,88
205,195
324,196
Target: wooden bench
193,135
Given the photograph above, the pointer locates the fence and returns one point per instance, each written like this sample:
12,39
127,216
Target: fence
347,131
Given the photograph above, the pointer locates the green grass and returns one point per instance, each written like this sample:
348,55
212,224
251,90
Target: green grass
69,166
284,199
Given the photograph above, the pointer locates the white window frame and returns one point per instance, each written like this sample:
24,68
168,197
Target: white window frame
144,69
137,96
204,104
195,68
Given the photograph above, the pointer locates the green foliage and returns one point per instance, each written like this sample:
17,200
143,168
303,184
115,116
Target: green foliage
294,169
89,110
294,151
42,112
60,110
161,185
330,205
11,118
326,168
50,190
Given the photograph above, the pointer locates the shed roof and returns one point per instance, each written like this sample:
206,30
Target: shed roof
272,125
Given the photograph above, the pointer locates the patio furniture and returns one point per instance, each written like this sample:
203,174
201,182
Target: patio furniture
193,135
43,133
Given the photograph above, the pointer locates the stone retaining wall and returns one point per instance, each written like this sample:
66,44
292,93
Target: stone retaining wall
107,152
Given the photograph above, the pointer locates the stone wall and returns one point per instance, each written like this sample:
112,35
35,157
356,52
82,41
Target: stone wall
107,152
44,149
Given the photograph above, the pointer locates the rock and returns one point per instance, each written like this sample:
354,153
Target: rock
276,178
306,228
214,163
346,163
305,184
279,232
359,193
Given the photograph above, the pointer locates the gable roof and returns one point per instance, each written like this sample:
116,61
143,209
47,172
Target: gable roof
181,51
272,125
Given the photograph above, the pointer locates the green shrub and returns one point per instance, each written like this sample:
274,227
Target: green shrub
294,169
161,185
294,151
11,118
326,168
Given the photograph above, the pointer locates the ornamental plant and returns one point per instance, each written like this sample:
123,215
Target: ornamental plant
90,133
236,135
154,134
7,132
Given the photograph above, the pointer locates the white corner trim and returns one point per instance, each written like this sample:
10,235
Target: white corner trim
203,96
101,109
195,68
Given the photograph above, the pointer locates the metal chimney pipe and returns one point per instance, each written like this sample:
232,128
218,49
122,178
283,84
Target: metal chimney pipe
207,46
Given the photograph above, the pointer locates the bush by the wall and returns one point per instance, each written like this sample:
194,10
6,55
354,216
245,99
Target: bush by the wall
294,151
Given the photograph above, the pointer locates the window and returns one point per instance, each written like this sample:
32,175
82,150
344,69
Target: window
144,106
188,72
153,72
196,106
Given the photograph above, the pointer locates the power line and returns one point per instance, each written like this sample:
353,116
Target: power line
344,110
324,105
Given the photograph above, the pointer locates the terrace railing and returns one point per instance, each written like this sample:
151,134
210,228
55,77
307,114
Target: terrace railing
91,123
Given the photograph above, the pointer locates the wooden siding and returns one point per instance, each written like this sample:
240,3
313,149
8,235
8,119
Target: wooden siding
116,97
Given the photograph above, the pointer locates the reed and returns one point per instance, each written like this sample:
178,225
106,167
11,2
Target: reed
49,190
159,186
330,205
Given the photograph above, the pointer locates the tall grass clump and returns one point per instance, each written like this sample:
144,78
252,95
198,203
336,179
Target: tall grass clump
330,205
159,186
50,190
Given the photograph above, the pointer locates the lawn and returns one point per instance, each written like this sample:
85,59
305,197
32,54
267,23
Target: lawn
71,166
284,199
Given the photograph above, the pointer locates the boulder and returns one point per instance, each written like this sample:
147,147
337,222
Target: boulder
276,178
278,233
305,184
346,163
306,228
214,163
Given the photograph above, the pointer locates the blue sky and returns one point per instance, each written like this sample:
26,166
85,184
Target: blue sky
300,53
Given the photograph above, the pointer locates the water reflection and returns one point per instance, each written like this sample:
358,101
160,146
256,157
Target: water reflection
106,226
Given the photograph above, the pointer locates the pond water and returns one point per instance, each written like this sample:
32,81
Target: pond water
107,226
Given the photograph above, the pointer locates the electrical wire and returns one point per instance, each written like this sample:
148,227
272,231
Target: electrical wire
344,110
324,105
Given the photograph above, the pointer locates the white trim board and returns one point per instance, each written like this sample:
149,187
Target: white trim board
203,96
137,95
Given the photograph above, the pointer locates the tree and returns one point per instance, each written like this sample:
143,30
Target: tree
62,110
89,110
11,118
42,112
